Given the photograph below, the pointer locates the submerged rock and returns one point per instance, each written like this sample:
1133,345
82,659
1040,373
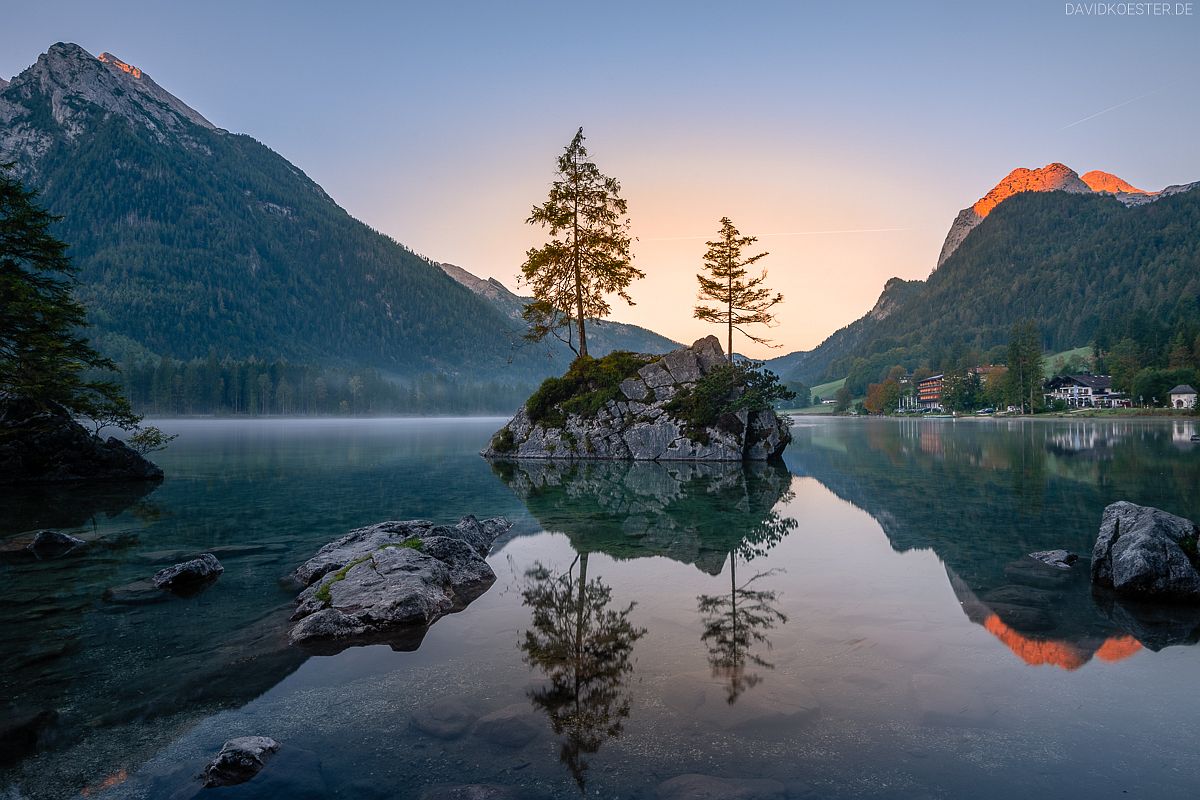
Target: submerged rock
51,544
39,444
190,575
640,425
1146,553
1062,559
240,760
389,582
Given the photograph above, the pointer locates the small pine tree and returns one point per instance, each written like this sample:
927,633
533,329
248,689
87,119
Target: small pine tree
739,300
588,255
43,357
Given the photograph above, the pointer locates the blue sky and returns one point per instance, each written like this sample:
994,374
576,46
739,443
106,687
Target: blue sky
439,123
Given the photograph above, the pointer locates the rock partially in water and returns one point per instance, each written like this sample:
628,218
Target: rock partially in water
190,576
1147,553
388,582
40,444
711,787
444,719
513,726
240,760
52,544
1061,559
637,425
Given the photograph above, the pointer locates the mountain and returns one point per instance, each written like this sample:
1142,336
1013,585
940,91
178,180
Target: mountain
1081,258
192,241
603,336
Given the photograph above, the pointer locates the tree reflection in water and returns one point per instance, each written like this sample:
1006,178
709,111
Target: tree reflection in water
585,649
735,624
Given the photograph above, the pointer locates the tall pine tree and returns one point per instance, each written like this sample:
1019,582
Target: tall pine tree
739,301
44,359
587,257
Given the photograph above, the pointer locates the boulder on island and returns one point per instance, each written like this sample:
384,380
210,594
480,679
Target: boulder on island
688,405
389,582
1147,553
40,444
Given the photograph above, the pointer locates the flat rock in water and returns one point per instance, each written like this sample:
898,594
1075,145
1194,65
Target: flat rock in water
444,719
388,582
240,760
51,544
513,726
190,575
711,787
1144,552
1060,559
638,426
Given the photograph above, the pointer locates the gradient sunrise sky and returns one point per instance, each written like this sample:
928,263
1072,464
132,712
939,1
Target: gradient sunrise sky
846,135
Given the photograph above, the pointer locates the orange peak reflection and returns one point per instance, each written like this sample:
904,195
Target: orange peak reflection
1063,655
116,779
109,58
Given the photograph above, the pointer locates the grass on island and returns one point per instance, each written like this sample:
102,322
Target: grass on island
586,387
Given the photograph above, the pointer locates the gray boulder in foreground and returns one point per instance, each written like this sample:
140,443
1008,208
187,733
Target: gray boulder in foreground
637,426
240,760
194,574
1143,552
388,582
51,544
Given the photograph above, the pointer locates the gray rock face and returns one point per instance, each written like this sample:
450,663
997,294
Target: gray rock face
1061,559
389,582
1144,552
240,760
189,575
638,427
51,544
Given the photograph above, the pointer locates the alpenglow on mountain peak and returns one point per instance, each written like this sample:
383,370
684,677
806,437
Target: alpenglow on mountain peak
1054,177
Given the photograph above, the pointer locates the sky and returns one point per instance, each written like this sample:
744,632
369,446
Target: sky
846,135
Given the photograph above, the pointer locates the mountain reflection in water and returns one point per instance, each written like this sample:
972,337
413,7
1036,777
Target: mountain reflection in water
984,494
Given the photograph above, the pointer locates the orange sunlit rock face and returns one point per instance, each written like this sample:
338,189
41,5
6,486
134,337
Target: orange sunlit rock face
1036,651
1052,177
1107,182
1064,655
1118,648
109,58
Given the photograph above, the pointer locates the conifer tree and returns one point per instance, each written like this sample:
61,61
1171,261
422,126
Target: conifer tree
44,359
739,300
587,257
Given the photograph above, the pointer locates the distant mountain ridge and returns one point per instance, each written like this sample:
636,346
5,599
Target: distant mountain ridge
191,240
1075,255
604,336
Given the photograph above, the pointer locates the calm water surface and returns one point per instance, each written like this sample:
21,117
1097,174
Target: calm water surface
858,623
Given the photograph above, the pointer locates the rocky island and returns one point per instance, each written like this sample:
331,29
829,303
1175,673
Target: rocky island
691,404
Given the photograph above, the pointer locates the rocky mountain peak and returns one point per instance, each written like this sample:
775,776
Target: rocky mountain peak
1107,182
1050,178
73,84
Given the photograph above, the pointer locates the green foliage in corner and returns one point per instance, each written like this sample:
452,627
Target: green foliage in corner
725,390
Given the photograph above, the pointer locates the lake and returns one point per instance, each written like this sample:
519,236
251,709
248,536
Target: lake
858,622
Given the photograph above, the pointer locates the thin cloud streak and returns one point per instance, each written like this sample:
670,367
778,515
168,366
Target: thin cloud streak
1112,108
765,235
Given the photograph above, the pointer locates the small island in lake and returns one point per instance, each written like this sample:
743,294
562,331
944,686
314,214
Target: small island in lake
691,404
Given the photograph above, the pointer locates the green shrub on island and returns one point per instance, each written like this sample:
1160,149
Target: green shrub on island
585,388
725,390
